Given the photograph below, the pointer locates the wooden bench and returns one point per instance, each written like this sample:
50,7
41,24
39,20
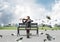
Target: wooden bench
34,26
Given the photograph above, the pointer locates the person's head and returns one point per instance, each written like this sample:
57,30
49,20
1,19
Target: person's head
28,17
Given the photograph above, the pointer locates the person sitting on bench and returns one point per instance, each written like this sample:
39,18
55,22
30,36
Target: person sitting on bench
27,21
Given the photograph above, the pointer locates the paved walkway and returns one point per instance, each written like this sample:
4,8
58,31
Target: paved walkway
7,37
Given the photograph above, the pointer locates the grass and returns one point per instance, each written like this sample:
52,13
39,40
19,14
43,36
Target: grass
40,28
8,28
48,28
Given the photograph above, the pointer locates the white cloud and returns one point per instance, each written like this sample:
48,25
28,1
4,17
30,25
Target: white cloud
56,11
24,8
30,8
4,5
0,14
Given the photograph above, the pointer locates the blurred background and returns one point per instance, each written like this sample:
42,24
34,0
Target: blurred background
12,10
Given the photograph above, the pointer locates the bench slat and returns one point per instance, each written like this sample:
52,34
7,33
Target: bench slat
25,29
31,24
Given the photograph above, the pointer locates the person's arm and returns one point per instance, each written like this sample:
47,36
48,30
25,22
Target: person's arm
24,20
30,20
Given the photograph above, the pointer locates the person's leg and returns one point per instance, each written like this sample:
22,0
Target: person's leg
27,33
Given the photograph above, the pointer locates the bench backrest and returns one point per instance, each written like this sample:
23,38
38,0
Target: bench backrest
33,25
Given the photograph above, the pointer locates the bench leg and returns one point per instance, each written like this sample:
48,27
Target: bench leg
18,31
37,31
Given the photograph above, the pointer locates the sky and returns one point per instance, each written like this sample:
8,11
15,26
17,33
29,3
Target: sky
46,3
12,10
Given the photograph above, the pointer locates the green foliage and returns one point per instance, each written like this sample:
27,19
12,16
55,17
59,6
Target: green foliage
40,28
56,25
8,28
48,28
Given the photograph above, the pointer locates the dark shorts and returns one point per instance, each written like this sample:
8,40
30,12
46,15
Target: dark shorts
28,25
